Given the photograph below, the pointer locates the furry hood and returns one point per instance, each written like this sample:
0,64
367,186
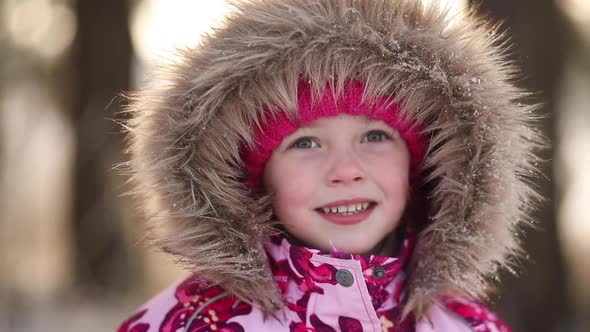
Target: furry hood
450,75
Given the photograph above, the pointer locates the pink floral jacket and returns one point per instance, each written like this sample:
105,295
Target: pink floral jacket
322,292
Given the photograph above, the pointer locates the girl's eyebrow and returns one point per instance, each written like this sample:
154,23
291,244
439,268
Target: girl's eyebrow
301,131
309,126
373,122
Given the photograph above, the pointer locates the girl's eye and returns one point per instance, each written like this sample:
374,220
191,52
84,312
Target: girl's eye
305,143
375,136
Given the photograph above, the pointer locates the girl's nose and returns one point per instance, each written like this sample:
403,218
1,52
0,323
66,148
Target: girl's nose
345,170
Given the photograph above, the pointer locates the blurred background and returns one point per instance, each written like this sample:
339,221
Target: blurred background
71,253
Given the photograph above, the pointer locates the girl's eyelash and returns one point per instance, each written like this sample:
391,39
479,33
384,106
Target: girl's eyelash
387,135
381,132
301,139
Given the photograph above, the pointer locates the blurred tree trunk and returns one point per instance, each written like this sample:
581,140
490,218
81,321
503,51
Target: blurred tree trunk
101,69
537,299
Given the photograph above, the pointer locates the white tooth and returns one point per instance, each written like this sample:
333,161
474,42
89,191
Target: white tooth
326,210
359,207
334,210
365,206
351,208
342,209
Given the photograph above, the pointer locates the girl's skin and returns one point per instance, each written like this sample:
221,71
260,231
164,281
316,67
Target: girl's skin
339,159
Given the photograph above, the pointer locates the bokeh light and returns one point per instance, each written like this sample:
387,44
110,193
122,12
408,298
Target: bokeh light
158,27
45,27
578,10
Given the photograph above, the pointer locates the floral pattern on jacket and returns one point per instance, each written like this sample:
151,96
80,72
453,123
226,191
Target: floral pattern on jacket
323,292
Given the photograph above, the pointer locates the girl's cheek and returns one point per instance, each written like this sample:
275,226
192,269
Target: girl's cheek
304,160
383,152
300,180
380,164
302,173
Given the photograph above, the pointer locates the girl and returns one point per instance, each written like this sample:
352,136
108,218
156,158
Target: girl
334,165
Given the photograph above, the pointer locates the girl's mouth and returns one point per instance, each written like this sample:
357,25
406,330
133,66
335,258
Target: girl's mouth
347,214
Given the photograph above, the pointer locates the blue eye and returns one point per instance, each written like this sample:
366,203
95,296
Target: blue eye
305,143
375,136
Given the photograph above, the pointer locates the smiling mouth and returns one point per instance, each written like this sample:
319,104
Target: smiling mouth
347,214
346,209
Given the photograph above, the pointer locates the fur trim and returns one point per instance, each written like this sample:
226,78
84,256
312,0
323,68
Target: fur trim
452,76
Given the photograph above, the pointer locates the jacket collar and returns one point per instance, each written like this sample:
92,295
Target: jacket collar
307,268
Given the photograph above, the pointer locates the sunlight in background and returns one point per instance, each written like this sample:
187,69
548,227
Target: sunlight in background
578,10
454,6
45,27
575,145
573,159
160,26
574,179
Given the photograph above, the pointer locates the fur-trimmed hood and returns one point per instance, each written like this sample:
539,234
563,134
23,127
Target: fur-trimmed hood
452,76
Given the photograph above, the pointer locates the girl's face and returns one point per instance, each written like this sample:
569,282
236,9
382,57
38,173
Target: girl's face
341,181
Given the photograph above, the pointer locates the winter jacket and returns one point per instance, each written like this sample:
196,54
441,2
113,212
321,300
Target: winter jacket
189,128
322,292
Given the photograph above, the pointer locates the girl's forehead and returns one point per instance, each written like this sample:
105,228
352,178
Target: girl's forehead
360,120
